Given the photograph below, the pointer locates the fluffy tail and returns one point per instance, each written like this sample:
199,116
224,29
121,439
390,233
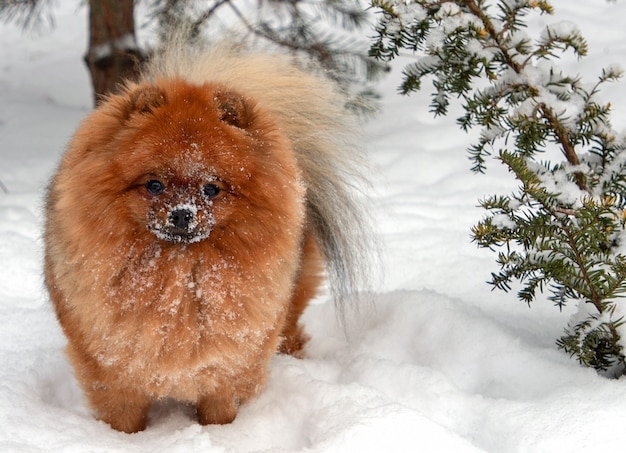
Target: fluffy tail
311,112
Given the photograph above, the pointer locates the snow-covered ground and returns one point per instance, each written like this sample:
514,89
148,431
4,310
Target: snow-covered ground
439,364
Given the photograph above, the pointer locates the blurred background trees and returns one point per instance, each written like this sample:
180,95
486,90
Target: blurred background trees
330,33
113,54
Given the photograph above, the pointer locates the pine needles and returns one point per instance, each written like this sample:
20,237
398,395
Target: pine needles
562,231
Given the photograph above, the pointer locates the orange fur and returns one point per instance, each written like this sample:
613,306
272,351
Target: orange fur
195,311
308,281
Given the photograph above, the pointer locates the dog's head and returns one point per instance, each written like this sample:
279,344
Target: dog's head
185,162
190,158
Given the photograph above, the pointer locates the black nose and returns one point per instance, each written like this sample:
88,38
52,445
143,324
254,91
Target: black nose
181,218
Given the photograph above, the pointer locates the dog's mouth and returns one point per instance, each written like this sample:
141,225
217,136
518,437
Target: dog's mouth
178,237
181,227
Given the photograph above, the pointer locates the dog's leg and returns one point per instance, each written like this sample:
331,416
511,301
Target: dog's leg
125,410
307,284
219,408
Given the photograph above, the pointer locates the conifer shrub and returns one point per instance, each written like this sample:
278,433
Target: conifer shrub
561,232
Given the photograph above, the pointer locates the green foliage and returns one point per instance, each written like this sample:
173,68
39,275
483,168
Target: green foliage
593,342
561,232
29,14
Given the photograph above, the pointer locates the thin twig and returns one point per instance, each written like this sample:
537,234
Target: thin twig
207,14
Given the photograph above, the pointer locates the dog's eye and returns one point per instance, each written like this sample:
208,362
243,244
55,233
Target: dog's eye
155,187
211,190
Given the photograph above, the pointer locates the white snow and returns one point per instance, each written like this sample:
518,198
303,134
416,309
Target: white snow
440,363
124,42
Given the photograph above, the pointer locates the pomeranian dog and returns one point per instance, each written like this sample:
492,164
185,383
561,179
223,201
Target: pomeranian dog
192,218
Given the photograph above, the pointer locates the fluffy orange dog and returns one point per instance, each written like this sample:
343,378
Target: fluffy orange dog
188,226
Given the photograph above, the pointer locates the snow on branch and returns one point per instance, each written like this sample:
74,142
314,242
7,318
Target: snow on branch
563,230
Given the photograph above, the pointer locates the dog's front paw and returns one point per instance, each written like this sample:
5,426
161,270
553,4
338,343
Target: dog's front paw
217,409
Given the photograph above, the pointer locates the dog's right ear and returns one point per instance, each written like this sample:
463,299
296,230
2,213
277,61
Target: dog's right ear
143,100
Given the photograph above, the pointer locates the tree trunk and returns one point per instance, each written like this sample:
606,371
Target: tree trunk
113,53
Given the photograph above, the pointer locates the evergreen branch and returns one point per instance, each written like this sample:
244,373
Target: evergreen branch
561,133
29,14
563,136
495,36
560,231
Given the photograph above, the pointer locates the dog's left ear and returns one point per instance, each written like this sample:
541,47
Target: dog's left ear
146,99
234,109
141,100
